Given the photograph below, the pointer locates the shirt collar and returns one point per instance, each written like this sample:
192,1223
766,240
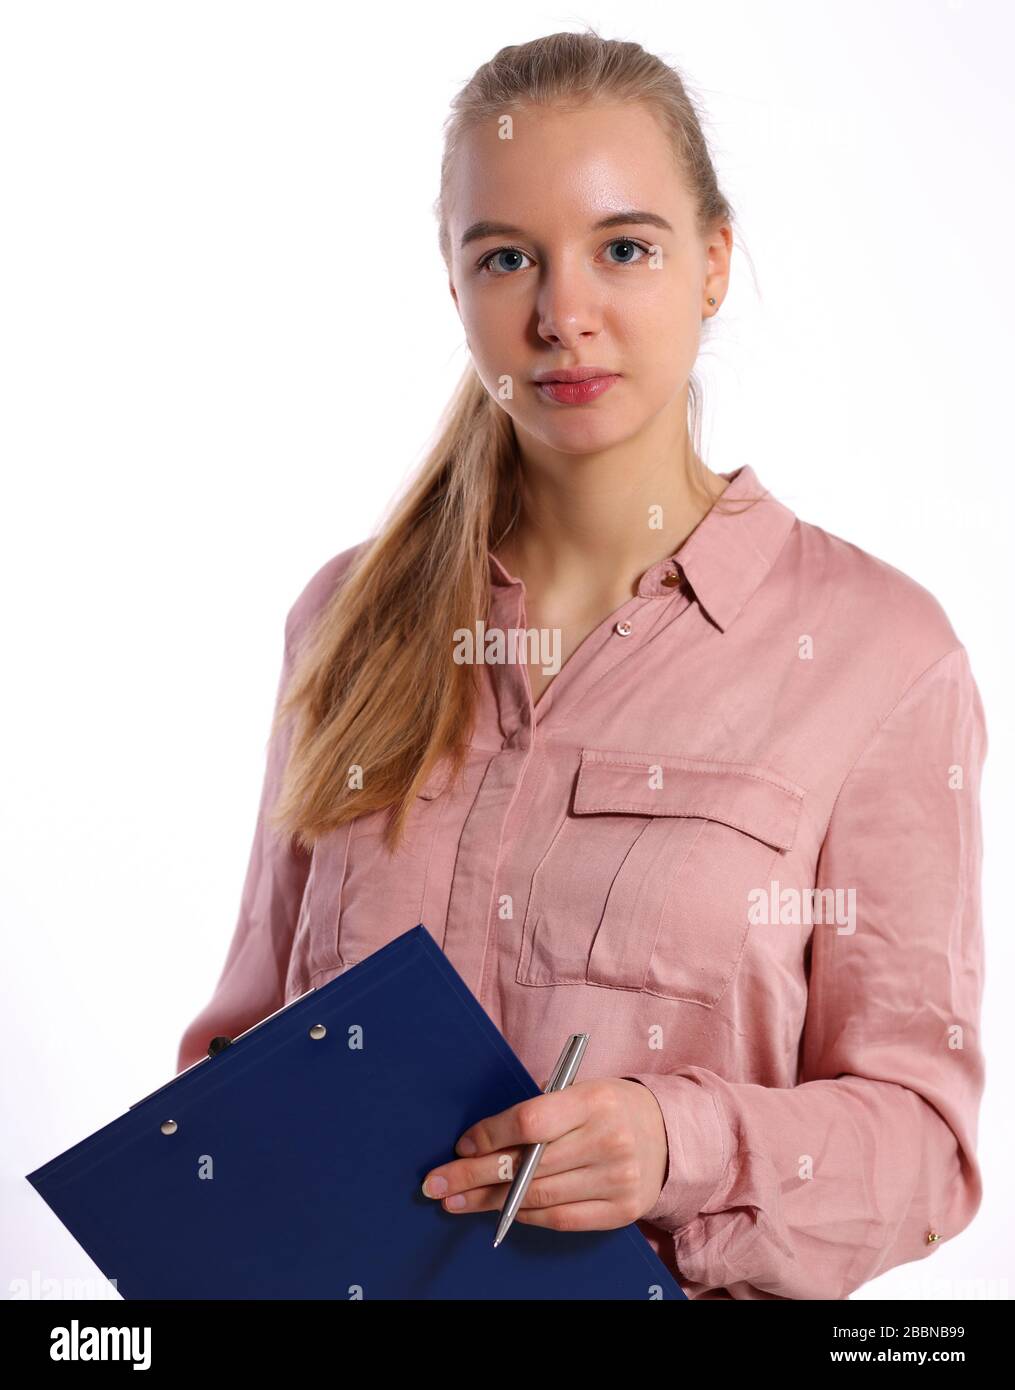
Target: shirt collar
724,559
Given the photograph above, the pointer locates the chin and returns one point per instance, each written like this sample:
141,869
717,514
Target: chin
583,436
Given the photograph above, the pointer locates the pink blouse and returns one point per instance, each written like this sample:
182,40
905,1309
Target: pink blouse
737,841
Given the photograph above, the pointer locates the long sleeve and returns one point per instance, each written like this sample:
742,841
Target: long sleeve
869,1161
252,982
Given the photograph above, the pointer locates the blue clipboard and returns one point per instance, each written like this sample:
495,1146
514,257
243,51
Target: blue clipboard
289,1164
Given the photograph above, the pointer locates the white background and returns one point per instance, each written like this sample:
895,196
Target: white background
225,340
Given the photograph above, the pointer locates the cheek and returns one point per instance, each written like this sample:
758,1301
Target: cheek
659,338
487,310
496,332
658,312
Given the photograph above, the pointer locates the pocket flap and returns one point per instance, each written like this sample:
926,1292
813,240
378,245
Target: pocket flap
747,797
436,781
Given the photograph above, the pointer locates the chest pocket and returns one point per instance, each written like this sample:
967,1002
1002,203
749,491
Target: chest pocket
646,884
358,895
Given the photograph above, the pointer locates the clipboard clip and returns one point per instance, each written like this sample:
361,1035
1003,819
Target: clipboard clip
220,1044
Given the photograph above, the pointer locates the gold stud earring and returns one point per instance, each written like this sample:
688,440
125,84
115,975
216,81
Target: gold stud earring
711,300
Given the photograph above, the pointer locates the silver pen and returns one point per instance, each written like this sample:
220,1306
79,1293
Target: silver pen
563,1074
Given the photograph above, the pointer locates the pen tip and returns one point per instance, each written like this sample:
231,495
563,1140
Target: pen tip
496,1242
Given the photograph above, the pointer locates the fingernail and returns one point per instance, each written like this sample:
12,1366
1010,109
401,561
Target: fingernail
466,1147
435,1187
456,1201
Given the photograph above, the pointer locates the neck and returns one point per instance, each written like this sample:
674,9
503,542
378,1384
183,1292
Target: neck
596,522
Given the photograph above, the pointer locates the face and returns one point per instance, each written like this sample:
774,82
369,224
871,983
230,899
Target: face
562,290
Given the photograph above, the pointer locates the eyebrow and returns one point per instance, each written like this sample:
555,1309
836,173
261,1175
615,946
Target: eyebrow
629,217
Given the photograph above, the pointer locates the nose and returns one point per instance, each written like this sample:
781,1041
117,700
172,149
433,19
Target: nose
568,306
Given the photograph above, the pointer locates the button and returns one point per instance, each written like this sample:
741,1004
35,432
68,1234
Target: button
623,629
670,579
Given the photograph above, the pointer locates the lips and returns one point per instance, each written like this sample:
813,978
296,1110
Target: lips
572,374
574,385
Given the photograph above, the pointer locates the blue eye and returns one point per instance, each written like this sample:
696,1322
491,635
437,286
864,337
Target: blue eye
486,263
626,241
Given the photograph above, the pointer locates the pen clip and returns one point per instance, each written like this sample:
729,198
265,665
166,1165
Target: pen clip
568,1062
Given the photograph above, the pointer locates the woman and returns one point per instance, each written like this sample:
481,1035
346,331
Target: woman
723,815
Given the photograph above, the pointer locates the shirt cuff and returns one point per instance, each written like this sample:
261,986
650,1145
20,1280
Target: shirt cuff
699,1145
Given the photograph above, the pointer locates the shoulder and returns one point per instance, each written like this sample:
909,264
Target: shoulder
875,610
318,590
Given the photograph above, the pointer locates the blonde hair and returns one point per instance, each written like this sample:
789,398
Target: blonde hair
373,686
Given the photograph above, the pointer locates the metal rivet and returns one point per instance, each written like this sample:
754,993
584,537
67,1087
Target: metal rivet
670,579
318,1030
624,629
932,1236
168,1126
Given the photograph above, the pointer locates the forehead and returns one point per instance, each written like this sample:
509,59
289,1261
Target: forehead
562,168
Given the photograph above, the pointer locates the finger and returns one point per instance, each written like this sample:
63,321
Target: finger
491,1170
464,1174
539,1119
576,1216
574,1185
